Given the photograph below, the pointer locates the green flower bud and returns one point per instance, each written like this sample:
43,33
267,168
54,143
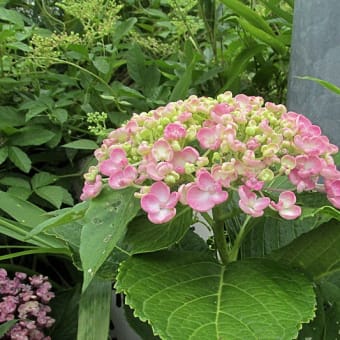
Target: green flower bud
250,130
216,158
266,175
189,168
202,161
165,121
269,150
171,178
146,135
176,146
191,133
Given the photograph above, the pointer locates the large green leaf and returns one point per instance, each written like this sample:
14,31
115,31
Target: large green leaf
326,324
248,14
94,311
122,28
82,144
271,233
3,154
31,135
19,158
11,16
143,236
105,224
136,64
43,178
64,217
185,296
52,193
263,36
22,211
317,252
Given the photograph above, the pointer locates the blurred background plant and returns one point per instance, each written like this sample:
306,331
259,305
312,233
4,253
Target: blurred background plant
72,70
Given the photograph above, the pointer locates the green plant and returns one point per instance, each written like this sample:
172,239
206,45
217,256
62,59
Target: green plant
262,264
68,77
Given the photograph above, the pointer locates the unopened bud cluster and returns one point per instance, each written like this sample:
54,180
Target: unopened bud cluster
196,151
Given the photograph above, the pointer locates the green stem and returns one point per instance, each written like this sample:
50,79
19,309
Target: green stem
219,234
245,228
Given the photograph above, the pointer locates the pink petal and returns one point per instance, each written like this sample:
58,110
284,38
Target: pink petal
119,156
91,190
245,194
107,167
287,198
290,213
335,201
122,178
198,199
208,138
163,216
172,201
261,203
157,172
219,197
332,188
180,158
130,172
162,151
161,191
174,131
150,203
182,191
206,182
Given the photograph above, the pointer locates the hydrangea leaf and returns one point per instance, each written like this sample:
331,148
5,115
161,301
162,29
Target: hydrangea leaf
270,233
143,236
326,324
317,252
188,296
105,224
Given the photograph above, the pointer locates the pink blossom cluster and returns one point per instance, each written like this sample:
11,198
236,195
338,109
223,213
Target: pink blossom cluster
25,299
195,152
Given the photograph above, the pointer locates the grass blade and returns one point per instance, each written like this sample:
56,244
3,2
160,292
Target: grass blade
329,86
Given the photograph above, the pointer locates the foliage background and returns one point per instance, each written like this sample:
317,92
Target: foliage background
72,70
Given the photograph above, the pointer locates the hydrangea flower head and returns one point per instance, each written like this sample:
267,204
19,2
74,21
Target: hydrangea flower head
197,151
25,299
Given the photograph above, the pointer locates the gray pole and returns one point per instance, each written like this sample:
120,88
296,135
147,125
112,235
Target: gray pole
316,53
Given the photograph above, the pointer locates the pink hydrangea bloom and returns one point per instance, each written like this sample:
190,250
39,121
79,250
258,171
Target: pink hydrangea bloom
202,148
159,203
180,158
123,178
209,137
162,151
26,301
91,189
286,206
174,131
250,204
333,191
157,171
205,193
117,161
